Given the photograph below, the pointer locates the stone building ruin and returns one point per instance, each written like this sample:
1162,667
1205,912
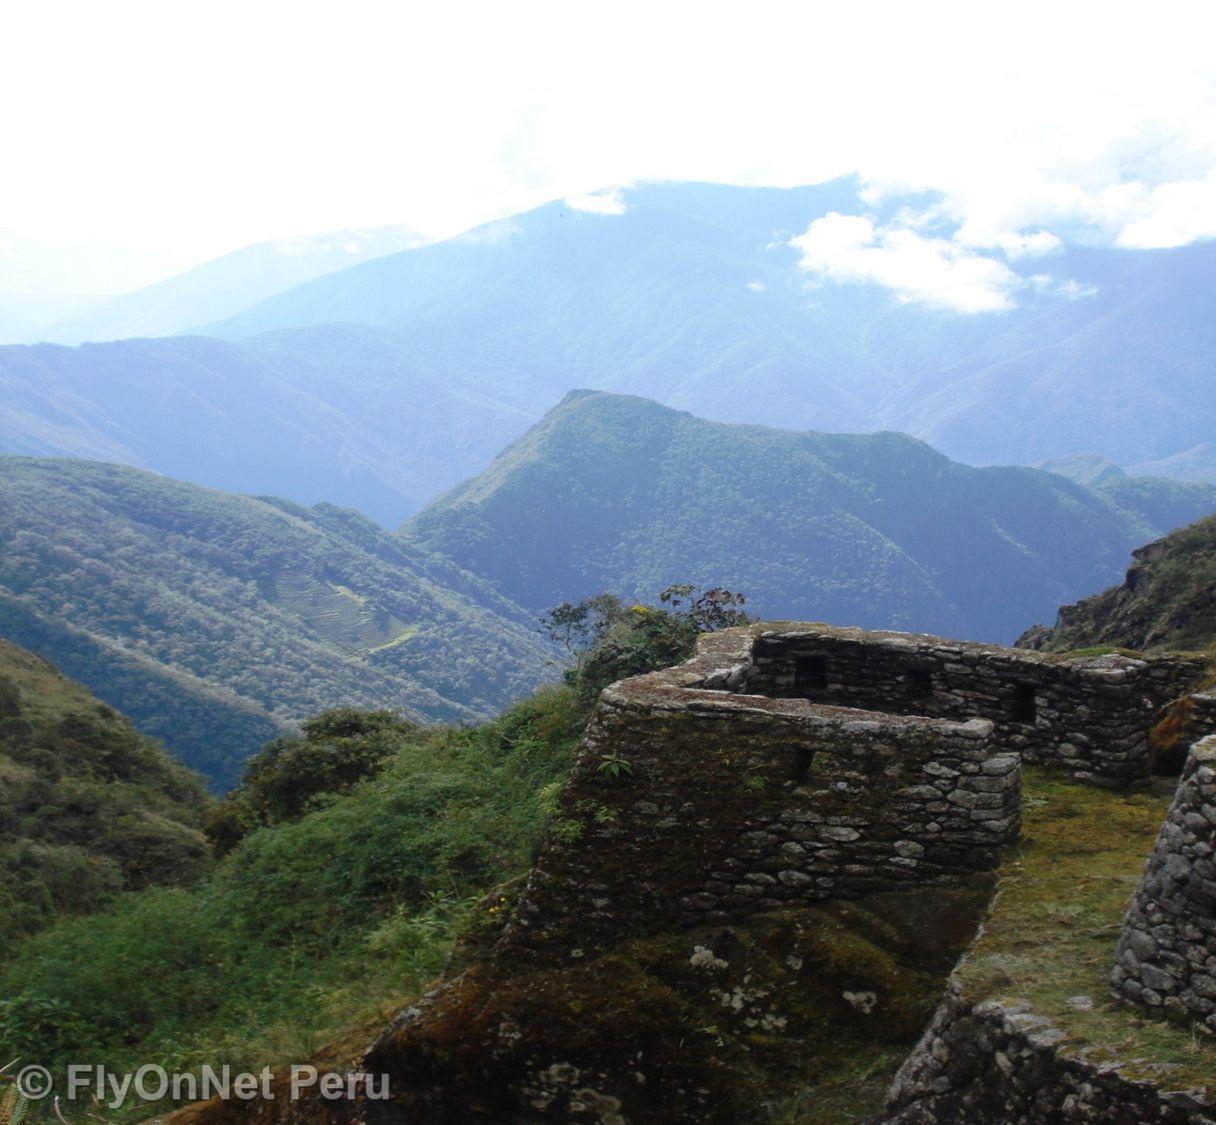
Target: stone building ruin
723,819
791,762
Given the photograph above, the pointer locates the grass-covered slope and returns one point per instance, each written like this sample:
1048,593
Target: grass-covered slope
264,612
88,807
614,492
1049,940
1167,601
314,925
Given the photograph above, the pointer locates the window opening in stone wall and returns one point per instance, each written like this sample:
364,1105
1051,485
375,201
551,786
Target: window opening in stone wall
1024,707
920,684
810,673
802,763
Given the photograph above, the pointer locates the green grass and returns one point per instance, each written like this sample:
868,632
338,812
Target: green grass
400,638
1059,905
311,931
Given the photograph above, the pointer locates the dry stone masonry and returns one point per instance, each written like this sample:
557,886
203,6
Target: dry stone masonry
990,1062
790,763
1091,715
717,804
1166,956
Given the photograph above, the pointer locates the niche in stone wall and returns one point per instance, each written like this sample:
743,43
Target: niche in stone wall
1023,708
918,683
792,765
810,674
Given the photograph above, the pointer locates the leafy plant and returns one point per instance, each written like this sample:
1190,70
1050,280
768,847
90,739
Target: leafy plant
614,765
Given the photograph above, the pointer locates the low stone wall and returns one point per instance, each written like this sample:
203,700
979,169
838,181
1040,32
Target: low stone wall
986,1062
1166,955
1091,715
693,802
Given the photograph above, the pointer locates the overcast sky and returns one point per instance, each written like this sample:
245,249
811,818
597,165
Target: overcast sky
190,129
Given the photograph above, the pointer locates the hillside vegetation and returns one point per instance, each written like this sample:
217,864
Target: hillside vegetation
1167,601
264,611
351,860
876,530
88,808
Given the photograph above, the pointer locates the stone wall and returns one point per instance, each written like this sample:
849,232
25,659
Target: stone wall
1091,715
694,802
1166,955
987,1062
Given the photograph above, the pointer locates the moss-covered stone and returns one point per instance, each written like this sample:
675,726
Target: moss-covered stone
701,1025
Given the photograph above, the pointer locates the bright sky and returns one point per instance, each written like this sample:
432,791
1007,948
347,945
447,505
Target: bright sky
192,128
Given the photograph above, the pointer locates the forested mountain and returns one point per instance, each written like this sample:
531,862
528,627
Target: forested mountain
87,806
226,285
1164,502
692,296
618,493
1167,601
265,612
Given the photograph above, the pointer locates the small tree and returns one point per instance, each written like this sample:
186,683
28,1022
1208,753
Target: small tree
608,641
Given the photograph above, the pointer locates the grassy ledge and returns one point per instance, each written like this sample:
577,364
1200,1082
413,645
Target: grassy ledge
1050,938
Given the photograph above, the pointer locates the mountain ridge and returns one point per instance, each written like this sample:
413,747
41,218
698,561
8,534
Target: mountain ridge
225,285
693,296
618,493
289,610
1167,600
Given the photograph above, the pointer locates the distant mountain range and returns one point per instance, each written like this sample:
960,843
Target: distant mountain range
225,286
615,493
26,316
337,413
381,385
215,621
1196,466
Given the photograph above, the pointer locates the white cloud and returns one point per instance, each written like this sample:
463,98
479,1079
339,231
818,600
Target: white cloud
1086,113
1071,290
757,286
607,202
938,272
1034,245
1175,214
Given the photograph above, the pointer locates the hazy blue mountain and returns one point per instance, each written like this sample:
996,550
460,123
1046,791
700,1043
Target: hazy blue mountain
693,296
25,316
1085,468
262,612
381,385
337,413
618,493
226,285
1162,501
1198,465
